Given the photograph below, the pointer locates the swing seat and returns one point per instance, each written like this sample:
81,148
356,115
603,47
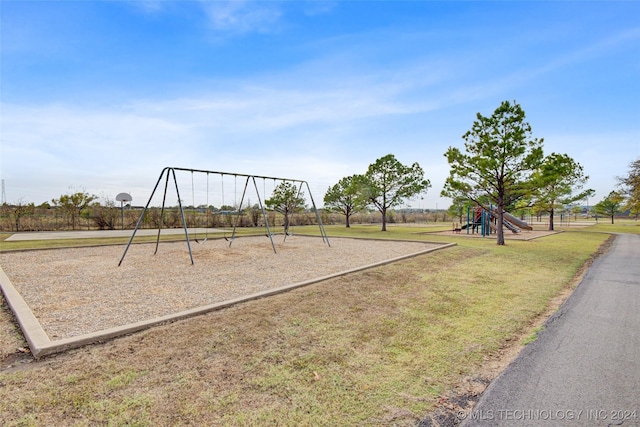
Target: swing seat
193,198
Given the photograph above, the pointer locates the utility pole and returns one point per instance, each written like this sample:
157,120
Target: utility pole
4,195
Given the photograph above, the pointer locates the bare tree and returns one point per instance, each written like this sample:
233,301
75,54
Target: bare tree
20,210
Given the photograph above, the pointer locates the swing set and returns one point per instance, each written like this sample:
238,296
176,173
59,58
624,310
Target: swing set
170,172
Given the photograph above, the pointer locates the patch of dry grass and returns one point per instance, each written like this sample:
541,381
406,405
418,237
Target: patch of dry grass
10,337
373,348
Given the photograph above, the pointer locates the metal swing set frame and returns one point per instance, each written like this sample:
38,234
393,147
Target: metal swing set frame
168,172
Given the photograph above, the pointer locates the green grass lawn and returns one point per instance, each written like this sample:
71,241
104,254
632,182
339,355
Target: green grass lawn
619,226
377,347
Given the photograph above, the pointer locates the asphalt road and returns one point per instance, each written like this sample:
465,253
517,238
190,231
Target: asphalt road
584,368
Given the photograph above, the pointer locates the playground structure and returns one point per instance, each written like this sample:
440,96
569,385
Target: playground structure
170,172
484,221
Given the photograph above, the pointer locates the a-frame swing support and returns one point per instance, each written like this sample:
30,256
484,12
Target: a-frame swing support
171,172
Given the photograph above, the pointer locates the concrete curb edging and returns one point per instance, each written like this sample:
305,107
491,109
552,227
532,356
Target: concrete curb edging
41,345
32,329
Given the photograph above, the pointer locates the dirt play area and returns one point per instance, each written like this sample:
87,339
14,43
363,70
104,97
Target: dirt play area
77,291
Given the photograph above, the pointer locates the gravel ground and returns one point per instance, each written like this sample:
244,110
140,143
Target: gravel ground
82,290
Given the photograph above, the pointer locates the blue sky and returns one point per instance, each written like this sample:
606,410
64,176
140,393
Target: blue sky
100,96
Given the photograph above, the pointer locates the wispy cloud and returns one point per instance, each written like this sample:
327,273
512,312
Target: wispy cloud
322,93
325,108
149,6
315,7
242,16
262,126
586,52
317,121
53,147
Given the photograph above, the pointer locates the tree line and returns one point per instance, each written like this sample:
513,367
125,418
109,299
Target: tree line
501,167
103,214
